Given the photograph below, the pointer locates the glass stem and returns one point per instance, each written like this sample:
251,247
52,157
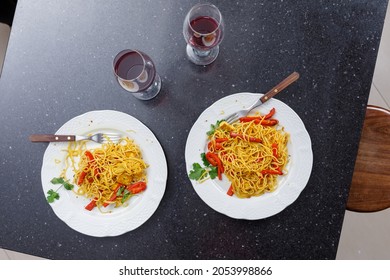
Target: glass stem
201,53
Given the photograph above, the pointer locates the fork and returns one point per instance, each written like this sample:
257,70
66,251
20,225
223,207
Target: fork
275,90
98,138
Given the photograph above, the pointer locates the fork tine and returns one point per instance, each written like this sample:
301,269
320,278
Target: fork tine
110,137
232,118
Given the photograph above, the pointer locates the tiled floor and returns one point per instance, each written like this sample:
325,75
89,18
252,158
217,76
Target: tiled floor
364,236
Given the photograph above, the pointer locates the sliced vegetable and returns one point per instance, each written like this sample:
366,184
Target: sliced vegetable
270,122
230,191
275,150
270,114
259,119
91,205
215,161
91,161
272,172
137,187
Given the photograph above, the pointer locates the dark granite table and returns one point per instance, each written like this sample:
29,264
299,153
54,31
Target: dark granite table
59,65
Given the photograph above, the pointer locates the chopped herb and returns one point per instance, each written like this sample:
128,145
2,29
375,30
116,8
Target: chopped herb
52,195
197,172
214,127
205,161
68,186
58,180
213,172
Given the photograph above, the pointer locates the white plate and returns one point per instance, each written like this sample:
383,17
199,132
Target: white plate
70,207
213,192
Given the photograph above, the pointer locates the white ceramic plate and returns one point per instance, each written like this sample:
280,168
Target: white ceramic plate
213,192
70,207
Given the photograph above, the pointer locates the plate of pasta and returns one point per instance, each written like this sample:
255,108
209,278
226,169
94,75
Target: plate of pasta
253,168
105,189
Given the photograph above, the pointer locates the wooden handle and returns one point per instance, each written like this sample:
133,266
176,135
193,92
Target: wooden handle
279,87
51,138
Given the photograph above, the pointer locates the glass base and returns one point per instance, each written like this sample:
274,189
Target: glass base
149,93
202,57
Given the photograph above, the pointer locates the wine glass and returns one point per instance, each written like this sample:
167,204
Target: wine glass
136,73
203,30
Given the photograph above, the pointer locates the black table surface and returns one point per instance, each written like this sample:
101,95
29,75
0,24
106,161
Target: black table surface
59,65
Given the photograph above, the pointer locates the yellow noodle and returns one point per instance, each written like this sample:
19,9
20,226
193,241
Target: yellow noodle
115,163
245,162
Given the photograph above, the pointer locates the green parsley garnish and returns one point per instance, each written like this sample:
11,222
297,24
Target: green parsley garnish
213,172
214,127
205,161
58,180
53,195
200,173
197,172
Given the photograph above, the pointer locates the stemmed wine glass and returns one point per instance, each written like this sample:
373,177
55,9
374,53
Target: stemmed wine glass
136,73
203,30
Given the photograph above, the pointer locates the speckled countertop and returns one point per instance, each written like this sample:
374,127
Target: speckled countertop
59,65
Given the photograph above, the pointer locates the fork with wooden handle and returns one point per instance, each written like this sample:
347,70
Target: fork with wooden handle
98,138
275,90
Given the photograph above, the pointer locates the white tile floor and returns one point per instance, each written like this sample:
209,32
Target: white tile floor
364,236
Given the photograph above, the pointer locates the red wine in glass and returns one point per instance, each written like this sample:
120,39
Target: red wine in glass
131,66
205,33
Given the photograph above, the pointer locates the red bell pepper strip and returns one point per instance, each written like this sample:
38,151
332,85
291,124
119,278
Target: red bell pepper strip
89,155
240,136
216,144
212,158
272,172
91,160
252,118
230,191
264,122
275,149
221,140
270,122
81,178
215,161
91,205
258,119
270,114
137,187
